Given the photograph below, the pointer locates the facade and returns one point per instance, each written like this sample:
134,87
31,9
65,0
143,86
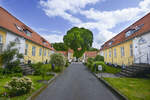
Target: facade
141,48
129,46
34,47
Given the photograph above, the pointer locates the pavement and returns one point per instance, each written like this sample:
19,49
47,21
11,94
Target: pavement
76,83
99,75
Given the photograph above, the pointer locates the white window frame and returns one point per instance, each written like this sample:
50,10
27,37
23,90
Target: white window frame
109,53
33,50
45,53
115,53
40,51
122,51
26,49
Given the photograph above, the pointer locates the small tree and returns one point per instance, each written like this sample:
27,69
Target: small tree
58,60
99,58
11,57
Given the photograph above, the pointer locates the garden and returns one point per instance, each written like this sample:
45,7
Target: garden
14,85
131,88
93,63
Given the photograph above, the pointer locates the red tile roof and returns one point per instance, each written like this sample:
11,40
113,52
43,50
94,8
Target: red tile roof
65,53
145,21
8,22
91,53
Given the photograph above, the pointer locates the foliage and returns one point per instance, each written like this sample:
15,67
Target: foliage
67,63
58,60
132,88
99,58
90,62
37,85
105,68
60,46
10,58
19,86
37,68
79,40
92,49
44,69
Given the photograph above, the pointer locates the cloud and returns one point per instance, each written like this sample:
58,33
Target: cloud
65,8
52,38
102,21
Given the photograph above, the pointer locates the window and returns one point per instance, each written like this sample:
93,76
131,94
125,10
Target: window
133,30
26,49
18,27
141,41
49,53
131,50
28,33
45,53
109,53
33,50
40,51
1,39
122,51
110,43
106,54
115,54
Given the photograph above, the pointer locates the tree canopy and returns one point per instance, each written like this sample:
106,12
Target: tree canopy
60,46
79,40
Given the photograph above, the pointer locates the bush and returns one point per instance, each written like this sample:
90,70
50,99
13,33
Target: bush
99,58
37,68
19,86
58,60
90,62
67,63
16,75
105,68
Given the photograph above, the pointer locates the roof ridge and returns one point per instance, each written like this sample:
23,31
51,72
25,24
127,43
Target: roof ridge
128,27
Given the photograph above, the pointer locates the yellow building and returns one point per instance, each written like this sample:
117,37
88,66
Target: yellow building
122,49
34,47
121,54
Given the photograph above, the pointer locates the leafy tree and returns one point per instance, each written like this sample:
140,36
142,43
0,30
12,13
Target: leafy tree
60,46
58,60
78,39
99,58
92,49
10,58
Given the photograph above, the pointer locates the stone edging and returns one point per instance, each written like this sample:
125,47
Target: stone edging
36,93
116,92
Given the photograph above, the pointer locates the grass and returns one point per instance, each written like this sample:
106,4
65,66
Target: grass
36,84
132,88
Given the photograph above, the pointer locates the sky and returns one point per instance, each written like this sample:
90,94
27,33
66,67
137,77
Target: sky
53,18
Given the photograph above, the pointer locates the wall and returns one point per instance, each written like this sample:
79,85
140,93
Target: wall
36,58
10,37
141,48
127,59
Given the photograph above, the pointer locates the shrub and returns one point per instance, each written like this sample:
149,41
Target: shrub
16,75
37,68
44,69
19,86
99,58
90,62
58,60
67,63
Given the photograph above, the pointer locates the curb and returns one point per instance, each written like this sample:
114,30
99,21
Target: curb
36,93
115,92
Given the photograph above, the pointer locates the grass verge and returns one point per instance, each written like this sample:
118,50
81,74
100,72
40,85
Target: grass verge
36,84
132,88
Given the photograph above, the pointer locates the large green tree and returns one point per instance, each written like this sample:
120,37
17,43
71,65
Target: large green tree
78,39
60,46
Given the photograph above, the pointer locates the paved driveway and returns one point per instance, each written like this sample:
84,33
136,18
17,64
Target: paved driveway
76,83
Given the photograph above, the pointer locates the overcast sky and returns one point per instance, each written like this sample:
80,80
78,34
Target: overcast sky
52,18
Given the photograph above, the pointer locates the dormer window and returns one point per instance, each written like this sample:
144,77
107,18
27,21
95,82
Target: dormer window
110,43
141,41
18,27
28,33
133,30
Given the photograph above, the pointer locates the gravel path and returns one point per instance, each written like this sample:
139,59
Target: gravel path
76,83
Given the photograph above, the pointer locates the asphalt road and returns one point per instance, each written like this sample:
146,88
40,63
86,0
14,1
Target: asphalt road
76,83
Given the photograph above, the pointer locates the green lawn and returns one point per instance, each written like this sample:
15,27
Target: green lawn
37,86
132,88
